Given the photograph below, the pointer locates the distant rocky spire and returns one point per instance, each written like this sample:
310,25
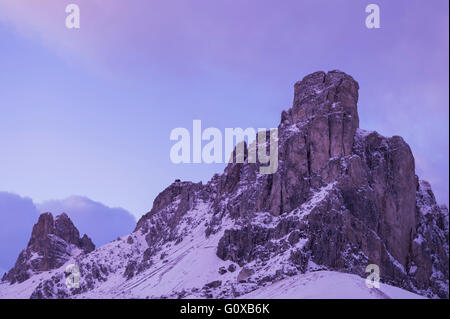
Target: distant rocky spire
53,241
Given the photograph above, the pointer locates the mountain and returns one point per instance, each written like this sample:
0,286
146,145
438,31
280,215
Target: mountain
341,199
53,242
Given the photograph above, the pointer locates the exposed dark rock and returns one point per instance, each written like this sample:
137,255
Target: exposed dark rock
244,274
222,270
213,284
86,244
232,268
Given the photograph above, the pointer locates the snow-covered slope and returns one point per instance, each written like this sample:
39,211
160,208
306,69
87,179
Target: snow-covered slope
185,270
192,269
328,285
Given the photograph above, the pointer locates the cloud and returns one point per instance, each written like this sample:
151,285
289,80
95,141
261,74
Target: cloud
18,215
103,224
162,36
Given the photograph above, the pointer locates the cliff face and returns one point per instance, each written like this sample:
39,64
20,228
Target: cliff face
341,199
52,243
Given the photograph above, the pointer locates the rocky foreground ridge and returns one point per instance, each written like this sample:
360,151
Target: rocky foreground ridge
341,199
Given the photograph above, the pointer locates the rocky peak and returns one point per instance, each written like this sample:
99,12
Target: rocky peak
61,226
356,191
44,227
323,93
86,244
53,241
325,104
65,229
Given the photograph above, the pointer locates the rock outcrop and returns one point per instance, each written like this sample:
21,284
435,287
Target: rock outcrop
52,243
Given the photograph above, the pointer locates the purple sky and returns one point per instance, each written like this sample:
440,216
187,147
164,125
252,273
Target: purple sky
88,112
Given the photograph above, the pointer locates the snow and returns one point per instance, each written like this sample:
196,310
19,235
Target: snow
363,133
328,285
265,219
25,289
318,196
419,239
190,264
413,270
